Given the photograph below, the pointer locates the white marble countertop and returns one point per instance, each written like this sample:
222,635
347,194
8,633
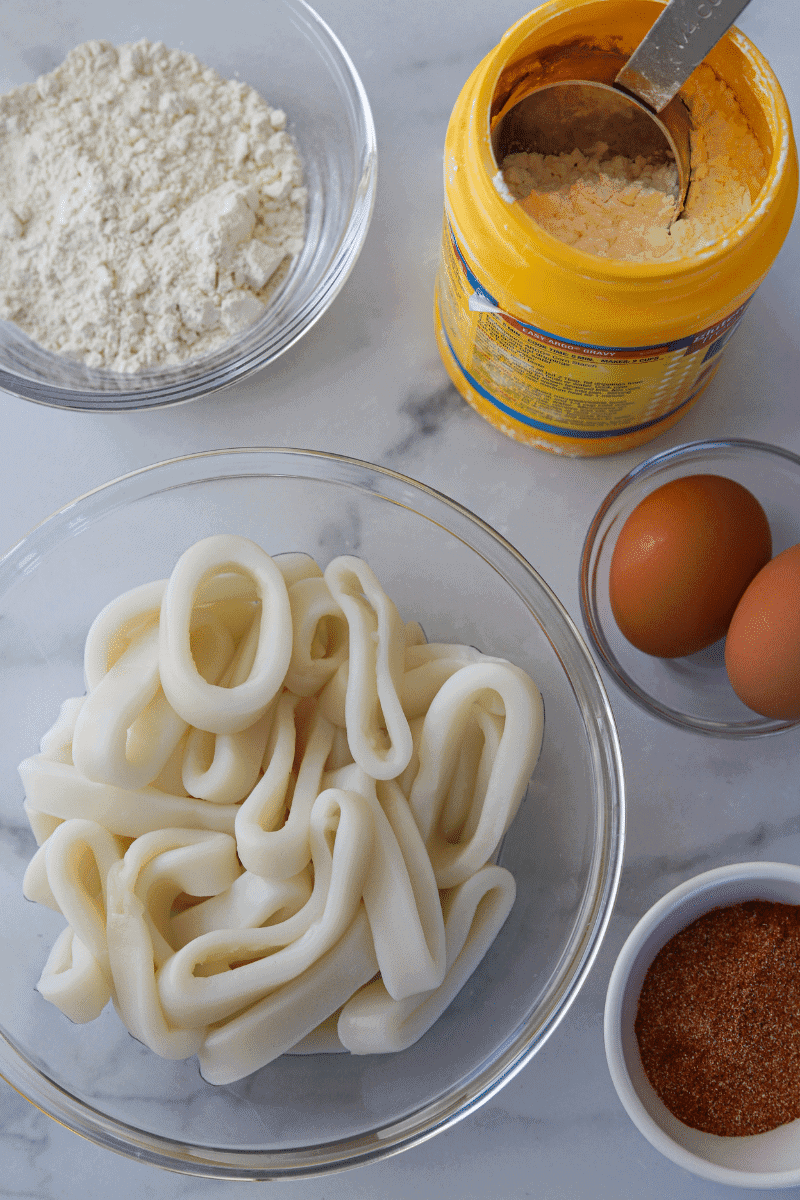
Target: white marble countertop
367,381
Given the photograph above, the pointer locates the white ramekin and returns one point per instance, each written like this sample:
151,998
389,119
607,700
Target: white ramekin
764,1160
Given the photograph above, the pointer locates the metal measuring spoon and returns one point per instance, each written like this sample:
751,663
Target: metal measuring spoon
637,111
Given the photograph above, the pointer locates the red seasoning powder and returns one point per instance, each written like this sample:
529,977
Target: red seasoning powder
718,1023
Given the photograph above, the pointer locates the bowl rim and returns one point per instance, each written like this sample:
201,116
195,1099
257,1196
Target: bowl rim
213,372
705,885
590,924
587,586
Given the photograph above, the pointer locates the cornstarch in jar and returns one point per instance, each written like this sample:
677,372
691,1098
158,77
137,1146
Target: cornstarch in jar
594,353
149,208
619,207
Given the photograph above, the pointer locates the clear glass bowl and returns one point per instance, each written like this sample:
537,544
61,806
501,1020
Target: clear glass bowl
290,56
693,692
464,583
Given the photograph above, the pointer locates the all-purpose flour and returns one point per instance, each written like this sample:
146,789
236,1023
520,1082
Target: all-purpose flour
148,207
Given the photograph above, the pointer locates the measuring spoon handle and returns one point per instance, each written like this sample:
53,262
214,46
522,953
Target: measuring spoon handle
676,44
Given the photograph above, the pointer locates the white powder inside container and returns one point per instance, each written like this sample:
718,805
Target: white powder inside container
618,207
148,207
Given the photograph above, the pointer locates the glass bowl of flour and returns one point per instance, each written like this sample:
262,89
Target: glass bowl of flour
308,1113
181,200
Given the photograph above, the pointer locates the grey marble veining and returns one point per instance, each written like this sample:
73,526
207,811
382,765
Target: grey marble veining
367,381
430,414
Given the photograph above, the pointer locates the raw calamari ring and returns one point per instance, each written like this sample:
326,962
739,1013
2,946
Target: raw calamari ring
130,950
373,1023
59,790
377,729
73,980
78,857
279,853
320,639
264,809
294,565
100,748
478,751
288,1015
426,672
202,704
121,622
248,903
442,736
223,768
195,862
41,823
35,884
132,955
126,730
56,744
263,959
400,895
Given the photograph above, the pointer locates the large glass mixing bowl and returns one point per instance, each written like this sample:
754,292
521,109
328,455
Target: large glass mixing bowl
464,583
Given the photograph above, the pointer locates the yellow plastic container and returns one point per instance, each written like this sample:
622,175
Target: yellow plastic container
567,351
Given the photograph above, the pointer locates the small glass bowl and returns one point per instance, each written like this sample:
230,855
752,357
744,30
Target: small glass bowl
763,1160
303,1115
286,52
693,692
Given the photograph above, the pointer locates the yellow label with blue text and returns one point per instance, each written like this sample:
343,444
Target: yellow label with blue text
560,387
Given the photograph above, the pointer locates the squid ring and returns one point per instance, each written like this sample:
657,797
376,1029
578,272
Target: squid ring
206,705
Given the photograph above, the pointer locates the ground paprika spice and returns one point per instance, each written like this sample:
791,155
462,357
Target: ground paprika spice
718,1022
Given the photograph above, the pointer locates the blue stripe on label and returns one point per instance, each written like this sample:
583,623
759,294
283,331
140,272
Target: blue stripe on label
472,279
689,342
557,429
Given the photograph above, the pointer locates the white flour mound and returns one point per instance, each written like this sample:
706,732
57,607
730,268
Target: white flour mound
148,207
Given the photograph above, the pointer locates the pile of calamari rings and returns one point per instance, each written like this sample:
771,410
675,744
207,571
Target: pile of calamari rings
271,820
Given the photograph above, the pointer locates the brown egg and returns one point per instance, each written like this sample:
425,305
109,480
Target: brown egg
762,650
682,560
